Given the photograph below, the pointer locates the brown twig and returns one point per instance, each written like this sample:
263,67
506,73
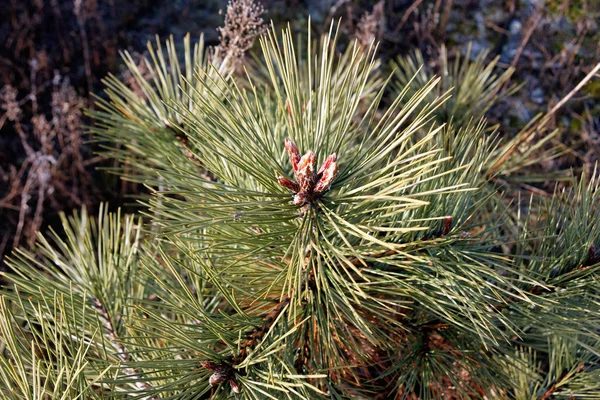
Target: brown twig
81,16
224,371
122,352
543,120
556,384
3,245
533,23
406,15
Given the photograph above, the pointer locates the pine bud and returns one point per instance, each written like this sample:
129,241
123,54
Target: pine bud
331,159
305,176
209,365
593,258
294,153
308,185
235,387
447,225
217,377
223,372
289,184
327,173
301,198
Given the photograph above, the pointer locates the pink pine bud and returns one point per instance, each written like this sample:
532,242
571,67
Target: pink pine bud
326,163
301,198
294,153
288,184
305,176
327,174
235,387
209,365
217,377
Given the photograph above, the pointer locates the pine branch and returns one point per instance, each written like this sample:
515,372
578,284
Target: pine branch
118,345
555,386
259,332
225,371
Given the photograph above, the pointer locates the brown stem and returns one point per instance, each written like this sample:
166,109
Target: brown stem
122,352
557,383
406,15
543,120
533,23
81,19
224,370
259,332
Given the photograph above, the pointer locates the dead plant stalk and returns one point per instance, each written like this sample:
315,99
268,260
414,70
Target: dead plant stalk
544,120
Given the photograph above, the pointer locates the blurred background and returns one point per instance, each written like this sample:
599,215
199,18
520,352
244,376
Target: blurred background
54,54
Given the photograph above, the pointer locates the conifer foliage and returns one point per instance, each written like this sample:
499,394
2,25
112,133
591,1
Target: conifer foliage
305,239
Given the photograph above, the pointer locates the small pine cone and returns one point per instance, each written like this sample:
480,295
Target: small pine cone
294,153
327,173
288,184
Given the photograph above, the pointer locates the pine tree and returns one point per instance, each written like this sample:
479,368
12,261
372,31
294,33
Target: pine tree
314,230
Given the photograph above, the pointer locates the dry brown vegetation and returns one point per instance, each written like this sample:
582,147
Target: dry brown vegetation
54,172
52,55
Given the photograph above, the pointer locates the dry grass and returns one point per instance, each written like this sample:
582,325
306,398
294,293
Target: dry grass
51,53
54,170
370,27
